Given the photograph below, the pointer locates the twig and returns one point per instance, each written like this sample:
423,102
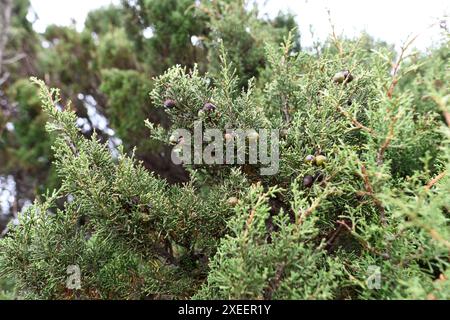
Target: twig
444,109
4,78
308,211
344,224
370,192
249,222
358,124
285,100
387,141
395,79
5,21
14,59
336,41
275,282
363,241
397,64
330,241
287,117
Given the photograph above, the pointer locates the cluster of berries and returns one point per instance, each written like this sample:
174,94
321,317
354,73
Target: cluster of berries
318,160
208,107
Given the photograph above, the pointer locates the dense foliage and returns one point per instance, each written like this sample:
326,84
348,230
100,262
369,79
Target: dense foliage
363,174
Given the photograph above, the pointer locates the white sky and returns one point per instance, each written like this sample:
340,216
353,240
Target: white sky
390,20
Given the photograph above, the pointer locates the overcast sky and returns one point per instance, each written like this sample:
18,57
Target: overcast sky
390,20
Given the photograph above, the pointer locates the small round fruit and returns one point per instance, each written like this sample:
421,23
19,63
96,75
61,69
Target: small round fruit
320,160
232,201
169,104
308,181
343,76
309,159
253,136
209,107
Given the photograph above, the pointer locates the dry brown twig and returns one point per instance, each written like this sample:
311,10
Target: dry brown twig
5,21
387,141
334,235
396,66
390,92
433,233
275,282
307,212
335,38
435,180
407,44
284,98
370,192
363,241
249,222
358,124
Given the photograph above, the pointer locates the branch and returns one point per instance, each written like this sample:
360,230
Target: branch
4,78
14,59
387,141
434,234
284,98
336,41
275,282
333,236
441,104
287,117
363,241
308,211
395,79
437,236
435,180
5,21
358,124
249,222
397,64
447,117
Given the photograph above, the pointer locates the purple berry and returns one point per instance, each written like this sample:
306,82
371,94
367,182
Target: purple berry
308,181
169,104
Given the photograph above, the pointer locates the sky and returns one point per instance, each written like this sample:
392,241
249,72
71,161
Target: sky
389,20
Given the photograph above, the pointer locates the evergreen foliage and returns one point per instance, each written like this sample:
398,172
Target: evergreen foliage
375,195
